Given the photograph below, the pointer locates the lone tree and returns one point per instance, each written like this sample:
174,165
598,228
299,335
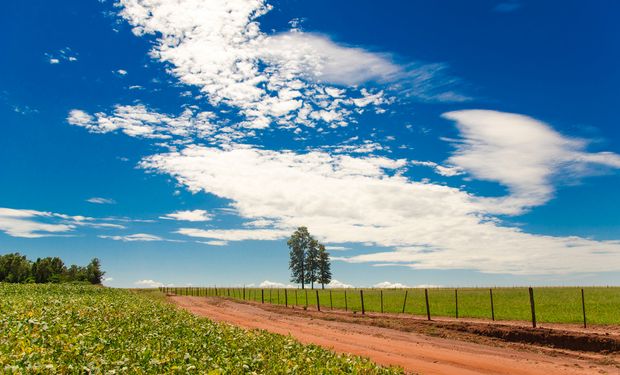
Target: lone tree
298,243
312,262
324,267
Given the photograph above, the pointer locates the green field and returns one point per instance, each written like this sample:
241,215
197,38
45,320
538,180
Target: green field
55,328
552,304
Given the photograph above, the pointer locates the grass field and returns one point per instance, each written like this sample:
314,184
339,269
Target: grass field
75,329
553,304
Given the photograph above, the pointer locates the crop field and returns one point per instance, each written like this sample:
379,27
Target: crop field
48,328
552,304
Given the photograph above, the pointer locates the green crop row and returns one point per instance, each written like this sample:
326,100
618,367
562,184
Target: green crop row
80,329
552,304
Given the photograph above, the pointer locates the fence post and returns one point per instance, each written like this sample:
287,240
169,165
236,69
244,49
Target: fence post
381,301
270,299
318,305
278,292
492,307
456,302
405,301
306,298
362,299
532,307
244,293
296,303
346,307
331,302
428,309
285,298
583,308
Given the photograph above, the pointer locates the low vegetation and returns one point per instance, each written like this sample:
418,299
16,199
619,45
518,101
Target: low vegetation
83,329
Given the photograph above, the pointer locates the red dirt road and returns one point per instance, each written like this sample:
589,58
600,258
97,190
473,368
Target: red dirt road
413,351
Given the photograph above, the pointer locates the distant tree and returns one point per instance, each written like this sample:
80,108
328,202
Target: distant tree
298,245
93,271
14,268
324,266
312,262
75,273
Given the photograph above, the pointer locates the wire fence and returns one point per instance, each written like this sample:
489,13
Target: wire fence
591,305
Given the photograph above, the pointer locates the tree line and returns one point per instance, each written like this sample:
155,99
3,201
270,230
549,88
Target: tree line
309,261
16,268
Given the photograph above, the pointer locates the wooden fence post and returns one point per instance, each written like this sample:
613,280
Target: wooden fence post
362,299
331,302
306,297
456,302
244,293
270,300
381,301
405,300
346,307
278,292
318,305
583,308
262,296
296,303
285,298
492,307
428,309
532,307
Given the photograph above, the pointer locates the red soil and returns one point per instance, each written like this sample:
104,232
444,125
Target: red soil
425,353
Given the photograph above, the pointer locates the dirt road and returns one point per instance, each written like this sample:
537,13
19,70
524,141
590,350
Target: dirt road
413,351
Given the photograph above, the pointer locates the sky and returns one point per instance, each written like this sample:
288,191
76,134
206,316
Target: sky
424,143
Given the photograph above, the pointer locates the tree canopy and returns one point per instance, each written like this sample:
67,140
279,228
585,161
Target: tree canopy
16,268
309,262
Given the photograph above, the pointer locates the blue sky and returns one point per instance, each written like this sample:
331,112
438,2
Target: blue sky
461,143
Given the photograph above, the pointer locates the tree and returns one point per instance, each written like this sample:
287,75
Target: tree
14,268
49,269
312,262
324,267
93,271
298,243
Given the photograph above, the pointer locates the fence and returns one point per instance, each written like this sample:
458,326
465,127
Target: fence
549,305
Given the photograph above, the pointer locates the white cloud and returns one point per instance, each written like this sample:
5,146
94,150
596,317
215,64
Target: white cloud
190,215
285,78
121,72
148,283
65,54
29,223
522,153
138,121
367,200
387,285
274,284
54,61
134,237
339,284
33,224
337,248
99,200
214,243
235,234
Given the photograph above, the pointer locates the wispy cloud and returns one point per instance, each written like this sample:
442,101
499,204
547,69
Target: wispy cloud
99,200
139,237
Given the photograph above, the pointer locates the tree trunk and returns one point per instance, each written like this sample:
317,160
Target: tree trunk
322,286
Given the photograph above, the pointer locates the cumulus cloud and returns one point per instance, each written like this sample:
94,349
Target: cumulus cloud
274,284
388,284
286,78
339,284
521,153
367,200
148,283
99,200
189,215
